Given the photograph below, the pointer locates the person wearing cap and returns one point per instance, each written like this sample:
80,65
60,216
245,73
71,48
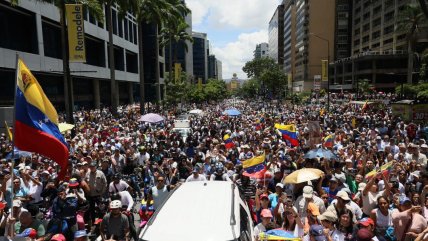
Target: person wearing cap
80,235
408,222
262,202
341,204
316,233
118,185
328,220
307,197
196,176
332,189
142,156
58,237
97,188
367,223
64,208
266,215
274,197
115,224
364,235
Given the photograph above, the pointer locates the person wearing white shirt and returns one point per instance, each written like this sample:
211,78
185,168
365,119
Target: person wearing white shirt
125,198
266,215
196,176
117,185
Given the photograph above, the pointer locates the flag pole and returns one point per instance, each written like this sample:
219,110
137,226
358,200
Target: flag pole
13,135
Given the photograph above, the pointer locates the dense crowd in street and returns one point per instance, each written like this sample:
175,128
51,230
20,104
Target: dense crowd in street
118,164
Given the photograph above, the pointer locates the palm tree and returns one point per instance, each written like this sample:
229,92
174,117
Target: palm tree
424,7
151,12
96,10
410,21
174,35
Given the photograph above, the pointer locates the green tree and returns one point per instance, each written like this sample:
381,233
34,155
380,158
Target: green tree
410,20
215,89
95,8
415,91
364,87
174,34
275,81
256,67
248,89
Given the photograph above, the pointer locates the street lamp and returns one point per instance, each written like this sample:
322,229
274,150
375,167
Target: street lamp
328,62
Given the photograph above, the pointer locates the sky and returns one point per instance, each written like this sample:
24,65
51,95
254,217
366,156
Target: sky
234,28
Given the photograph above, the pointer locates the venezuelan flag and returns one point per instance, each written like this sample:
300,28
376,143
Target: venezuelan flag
36,125
228,141
254,167
385,169
289,133
329,141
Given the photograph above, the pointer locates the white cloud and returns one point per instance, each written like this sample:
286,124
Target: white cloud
248,18
242,14
235,54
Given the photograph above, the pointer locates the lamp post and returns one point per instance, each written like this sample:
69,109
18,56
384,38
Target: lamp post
328,62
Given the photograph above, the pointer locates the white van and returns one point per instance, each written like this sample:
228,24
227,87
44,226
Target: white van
209,211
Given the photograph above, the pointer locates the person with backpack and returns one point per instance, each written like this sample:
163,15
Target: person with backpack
115,224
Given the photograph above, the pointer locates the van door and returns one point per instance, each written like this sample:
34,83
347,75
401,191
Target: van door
245,225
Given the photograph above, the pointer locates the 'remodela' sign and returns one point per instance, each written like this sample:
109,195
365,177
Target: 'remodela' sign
76,32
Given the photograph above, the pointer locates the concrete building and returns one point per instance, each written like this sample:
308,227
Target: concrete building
32,30
219,66
379,52
289,36
315,34
276,35
214,68
200,56
261,51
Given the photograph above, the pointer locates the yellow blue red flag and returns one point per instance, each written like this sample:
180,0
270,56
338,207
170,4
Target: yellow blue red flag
289,133
36,124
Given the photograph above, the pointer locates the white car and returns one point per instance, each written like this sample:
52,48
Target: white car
209,211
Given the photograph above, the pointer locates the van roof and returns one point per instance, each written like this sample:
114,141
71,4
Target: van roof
196,211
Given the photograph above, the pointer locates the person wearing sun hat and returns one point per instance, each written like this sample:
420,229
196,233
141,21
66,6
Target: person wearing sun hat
80,235
266,215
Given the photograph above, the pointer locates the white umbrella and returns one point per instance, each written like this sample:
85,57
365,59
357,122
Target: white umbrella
196,112
303,175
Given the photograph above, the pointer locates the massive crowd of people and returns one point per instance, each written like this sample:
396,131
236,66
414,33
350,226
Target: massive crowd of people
117,161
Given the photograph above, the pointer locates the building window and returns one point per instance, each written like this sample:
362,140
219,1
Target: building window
387,41
357,21
357,31
375,45
388,29
114,21
95,51
51,39
366,39
131,62
18,30
376,22
366,27
357,42
125,27
376,35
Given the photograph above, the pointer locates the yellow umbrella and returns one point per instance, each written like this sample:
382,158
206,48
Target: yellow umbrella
303,175
63,127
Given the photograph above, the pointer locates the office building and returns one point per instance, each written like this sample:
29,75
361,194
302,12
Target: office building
214,68
32,30
261,51
276,36
219,66
200,56
314,42
151,59
379,51
289,36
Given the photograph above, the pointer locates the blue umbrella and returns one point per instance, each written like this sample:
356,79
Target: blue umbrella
319,153
18,154
232,112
